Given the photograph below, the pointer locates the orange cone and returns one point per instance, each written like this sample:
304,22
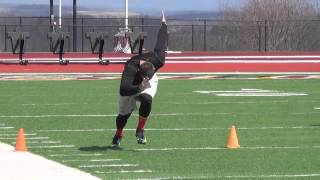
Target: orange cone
233,142
21,143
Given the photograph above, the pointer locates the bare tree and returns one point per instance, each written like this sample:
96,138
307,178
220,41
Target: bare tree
281,24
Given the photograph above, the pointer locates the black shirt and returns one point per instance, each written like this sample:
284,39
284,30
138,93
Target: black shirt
131,78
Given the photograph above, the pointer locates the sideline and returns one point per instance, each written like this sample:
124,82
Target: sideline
28,166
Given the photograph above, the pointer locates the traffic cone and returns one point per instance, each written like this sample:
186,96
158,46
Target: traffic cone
20,142
233,142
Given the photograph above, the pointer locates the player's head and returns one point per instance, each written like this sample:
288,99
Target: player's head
147,70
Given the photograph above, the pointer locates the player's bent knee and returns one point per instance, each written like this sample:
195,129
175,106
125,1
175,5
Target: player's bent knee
146,103
146,98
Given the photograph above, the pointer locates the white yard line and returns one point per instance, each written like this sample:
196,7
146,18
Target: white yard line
72,155
233,177
110,115
12,138
59,115
43,142
7,127
107,165
27,134
193,103
55,104
222,148
124,171
28,166
73,115
317,108
178,129
52,146
91,160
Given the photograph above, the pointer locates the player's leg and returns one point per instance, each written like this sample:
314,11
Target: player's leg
127,104
121,122
162,40
145,98
144,112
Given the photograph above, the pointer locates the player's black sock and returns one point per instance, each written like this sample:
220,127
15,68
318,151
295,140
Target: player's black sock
121,122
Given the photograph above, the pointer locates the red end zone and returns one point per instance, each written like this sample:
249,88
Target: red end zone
211,62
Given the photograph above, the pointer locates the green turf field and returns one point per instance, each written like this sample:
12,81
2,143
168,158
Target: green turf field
72,122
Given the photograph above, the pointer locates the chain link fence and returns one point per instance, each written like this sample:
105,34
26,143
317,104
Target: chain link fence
184,35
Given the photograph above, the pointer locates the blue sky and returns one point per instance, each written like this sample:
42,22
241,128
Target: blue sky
140,5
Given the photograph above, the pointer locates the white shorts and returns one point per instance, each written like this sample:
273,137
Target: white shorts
127,104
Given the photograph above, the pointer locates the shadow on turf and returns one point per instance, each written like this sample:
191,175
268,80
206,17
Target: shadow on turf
104,148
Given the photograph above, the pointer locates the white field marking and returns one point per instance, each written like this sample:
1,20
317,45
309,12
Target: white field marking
317,108
222,148
50,142
67,155
305,113
124,171
235,177
60,115
34,138
107,165
230,102
124,59
56,104
53,146
242,61
28,166
37,138
203,59
7,127
251,92
43,142
28,134
163,73
91,160
179,129
262,94
76,115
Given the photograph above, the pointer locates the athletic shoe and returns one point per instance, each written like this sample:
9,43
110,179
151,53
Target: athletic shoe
141,139
163,18
116,141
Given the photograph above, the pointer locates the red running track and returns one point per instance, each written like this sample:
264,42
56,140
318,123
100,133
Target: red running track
210,62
